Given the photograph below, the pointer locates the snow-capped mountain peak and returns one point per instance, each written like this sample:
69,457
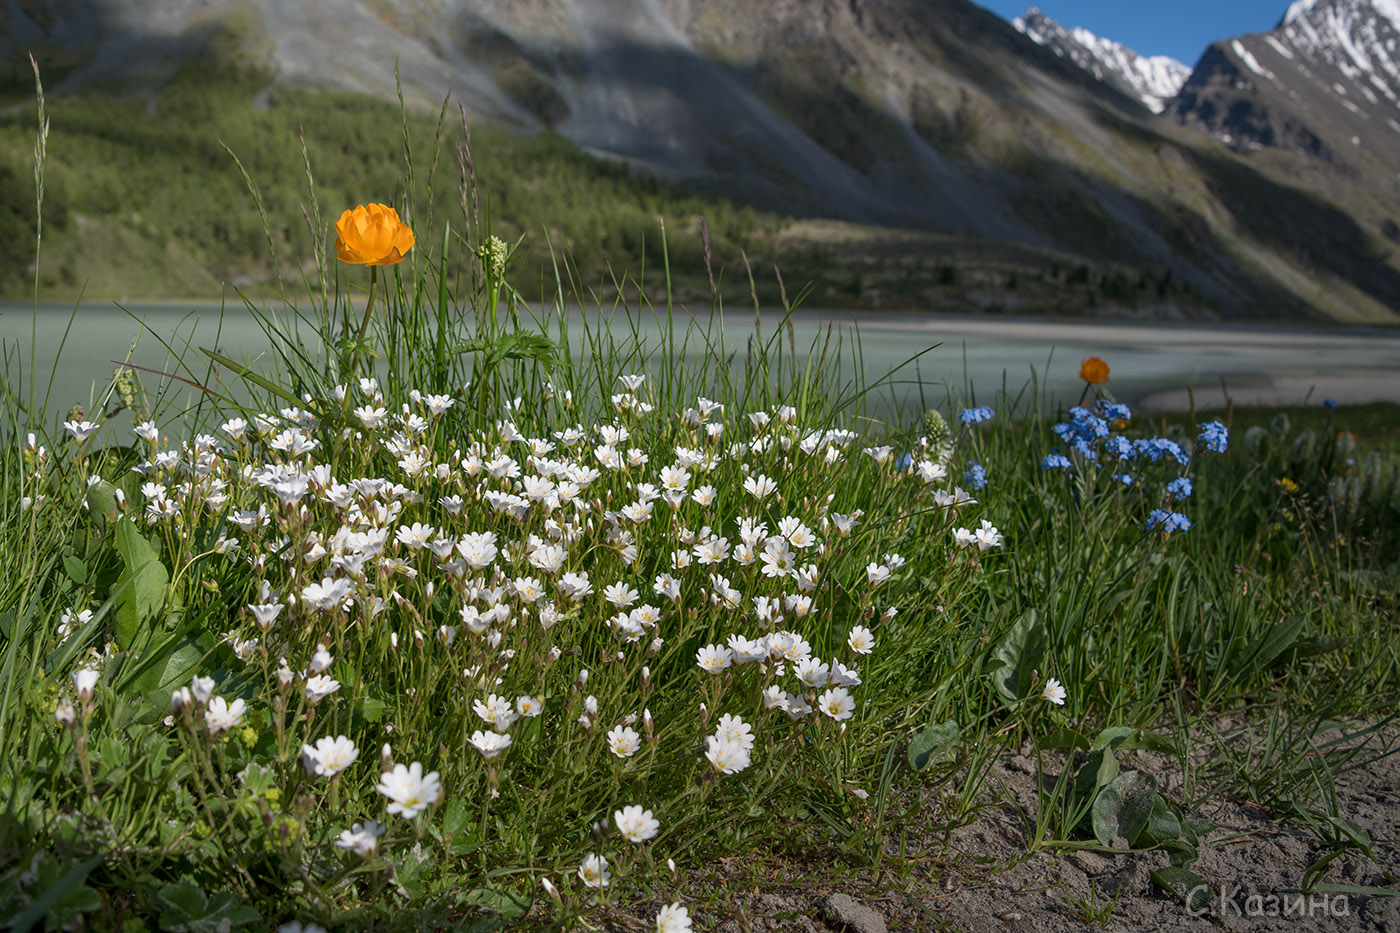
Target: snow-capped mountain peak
1325,81
1153,81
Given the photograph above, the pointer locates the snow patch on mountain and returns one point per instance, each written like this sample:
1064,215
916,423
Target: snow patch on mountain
1152,80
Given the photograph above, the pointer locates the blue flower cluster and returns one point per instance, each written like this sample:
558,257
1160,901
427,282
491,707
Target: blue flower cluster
975,476
1091,433
1168,520
976,415
1083,430
1214,436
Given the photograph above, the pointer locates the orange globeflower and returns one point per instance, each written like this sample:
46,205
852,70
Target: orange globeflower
1093,371
372,235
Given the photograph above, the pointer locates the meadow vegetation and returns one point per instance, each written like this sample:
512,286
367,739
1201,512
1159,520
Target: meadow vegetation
144,200
514,633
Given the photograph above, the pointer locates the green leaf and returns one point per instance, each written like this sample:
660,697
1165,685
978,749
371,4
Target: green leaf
1098,772
140,590
936,742
1163,825
503,907
102,505
1358,836
77,570
1197,895
1269,645
187,910
54,893
1017,654
1126,738
1123,807
372,708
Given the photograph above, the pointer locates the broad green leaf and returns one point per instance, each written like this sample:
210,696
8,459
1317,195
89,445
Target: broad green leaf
77,570
1162,825
102,505
1098,772
1123,807
1126,738
140,590
1018,654
1197,893
187,910
935,742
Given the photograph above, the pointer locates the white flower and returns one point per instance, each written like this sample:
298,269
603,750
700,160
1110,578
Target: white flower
594,871
843,676
877,573
529,706
490,744
636,824
70,620
81,430
963,537
1054,692
861,640
760,486
714,658
330,756
64,713
795,706
620,595
409,790
734,729
987,536
497,711
84,681
362,838
837,703
673,919
326,595
222,716
320,687
726,757
623,741
813,672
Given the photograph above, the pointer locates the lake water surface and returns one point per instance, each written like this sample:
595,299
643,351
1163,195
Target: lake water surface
1154,366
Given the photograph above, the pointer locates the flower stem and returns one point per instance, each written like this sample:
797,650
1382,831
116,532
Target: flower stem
354,351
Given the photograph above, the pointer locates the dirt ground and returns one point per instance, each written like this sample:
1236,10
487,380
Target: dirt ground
978,879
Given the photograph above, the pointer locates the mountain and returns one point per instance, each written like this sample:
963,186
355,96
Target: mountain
931,115
1153,81
1325,82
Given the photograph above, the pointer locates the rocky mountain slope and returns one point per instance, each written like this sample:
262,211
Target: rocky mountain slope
930,114
1325,83
1152,80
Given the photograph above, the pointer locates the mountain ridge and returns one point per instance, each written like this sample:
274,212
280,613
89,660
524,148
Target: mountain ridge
1151,80
927,114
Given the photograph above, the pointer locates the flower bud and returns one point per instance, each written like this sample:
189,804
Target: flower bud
179,699
202,688
552,891
65,714
84,681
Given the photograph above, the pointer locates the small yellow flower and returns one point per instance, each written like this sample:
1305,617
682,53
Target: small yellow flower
372,235
1287,485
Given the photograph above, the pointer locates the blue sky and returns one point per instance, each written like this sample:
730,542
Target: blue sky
1181,29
